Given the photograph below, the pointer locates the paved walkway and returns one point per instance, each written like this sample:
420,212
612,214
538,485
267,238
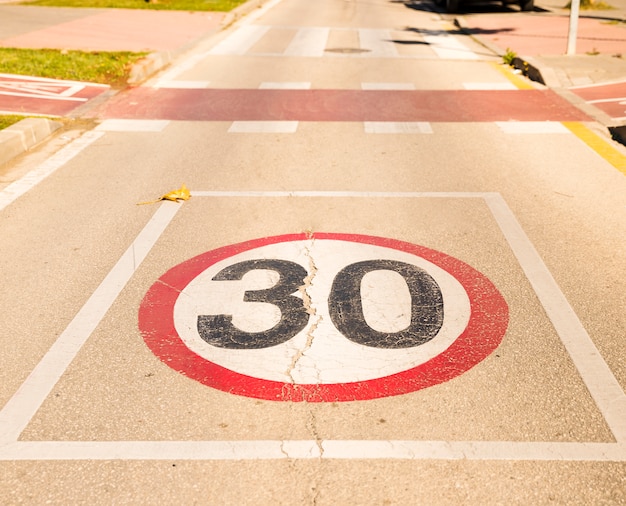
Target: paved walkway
103,29
541,38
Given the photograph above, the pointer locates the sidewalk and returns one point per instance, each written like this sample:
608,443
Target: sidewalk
540,38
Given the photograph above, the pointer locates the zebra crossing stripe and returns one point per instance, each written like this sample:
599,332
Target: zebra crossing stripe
312,42
240,41
308,42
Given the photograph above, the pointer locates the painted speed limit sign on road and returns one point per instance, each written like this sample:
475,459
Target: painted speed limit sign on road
322,317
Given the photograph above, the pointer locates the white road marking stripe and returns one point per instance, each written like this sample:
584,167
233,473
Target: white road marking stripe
164,83
532,127
339,194
489,86
597,376
448,47
267,127
175,70
52,81
603,386
285,86
240,41
378,42
607,100
391,127
39,94
312,449
308,42
18,188
132,125
253,16
16,414
594,85
388,86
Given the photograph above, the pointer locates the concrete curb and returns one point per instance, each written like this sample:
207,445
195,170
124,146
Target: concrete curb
22,136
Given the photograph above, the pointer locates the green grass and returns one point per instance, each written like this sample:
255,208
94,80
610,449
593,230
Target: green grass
112,68
176,5
509,56
9,119
102,67
590,5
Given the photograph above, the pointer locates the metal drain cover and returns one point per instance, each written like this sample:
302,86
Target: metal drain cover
348,50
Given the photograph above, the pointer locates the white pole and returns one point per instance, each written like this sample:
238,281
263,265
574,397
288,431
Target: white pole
573,27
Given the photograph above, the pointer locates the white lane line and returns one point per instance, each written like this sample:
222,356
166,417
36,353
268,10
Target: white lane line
532,127
311,449
379,43
391,127
594,85
253,16
602,385
606,100
132,125
448,47
188,85
388,86
174,71
30,180
489,86
308,42
17,413
294,85
49,80
240,41
338,194
41,94
264,127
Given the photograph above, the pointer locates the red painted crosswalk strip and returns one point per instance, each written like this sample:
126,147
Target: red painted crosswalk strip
340,105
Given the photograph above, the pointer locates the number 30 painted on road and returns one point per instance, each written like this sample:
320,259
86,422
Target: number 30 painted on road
345,306
322,317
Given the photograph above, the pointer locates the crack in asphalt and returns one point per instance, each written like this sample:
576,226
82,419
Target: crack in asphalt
311,310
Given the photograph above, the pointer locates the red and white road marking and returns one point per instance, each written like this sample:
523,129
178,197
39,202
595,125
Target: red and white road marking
43,96
340,105
609,98
321,361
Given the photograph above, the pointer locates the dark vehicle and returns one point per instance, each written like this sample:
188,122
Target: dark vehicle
452,6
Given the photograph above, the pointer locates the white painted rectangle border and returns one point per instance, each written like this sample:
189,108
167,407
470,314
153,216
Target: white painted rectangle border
602,385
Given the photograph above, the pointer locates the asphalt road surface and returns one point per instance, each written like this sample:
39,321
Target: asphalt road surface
398,280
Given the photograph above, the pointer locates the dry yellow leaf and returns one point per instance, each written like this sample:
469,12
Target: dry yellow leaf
175,195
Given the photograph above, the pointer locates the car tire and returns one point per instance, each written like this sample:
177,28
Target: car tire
527,5
452,6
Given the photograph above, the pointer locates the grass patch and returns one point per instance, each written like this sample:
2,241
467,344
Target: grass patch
174,5
509,57
112,68
590,5
9,119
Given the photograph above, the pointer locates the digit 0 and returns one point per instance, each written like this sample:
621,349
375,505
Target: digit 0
346,307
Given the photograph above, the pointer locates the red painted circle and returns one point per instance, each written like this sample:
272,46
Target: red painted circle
486,327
